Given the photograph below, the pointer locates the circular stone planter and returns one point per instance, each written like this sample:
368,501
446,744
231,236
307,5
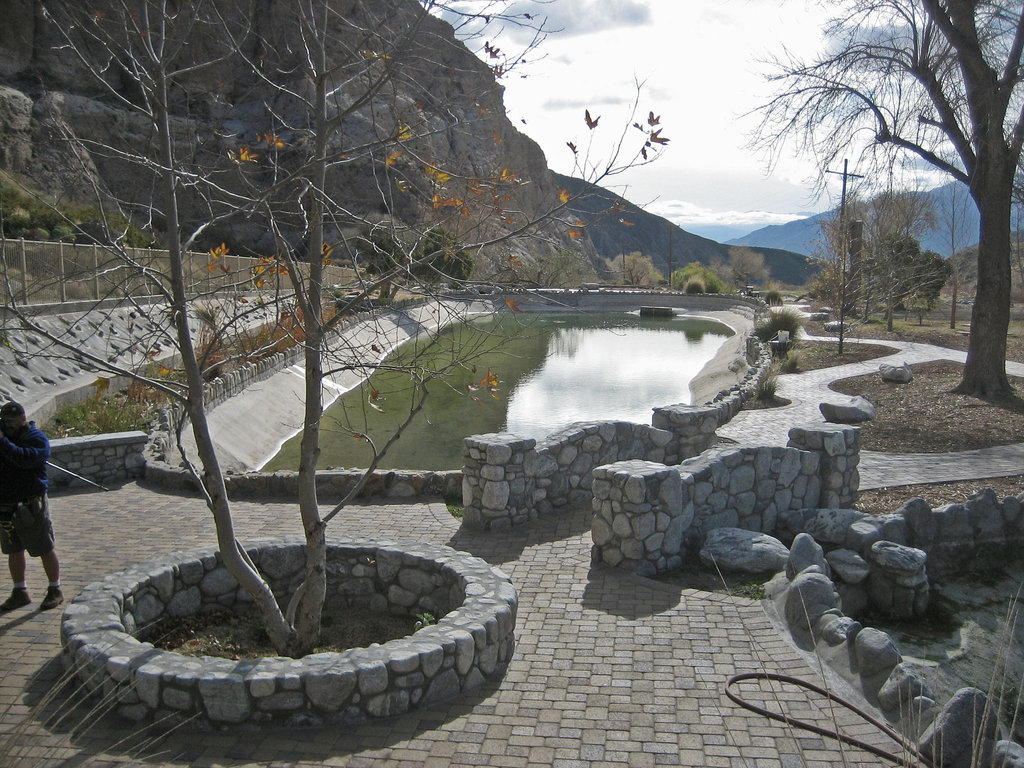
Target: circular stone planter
472,640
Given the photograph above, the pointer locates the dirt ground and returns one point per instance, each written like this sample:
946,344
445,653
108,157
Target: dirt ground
925,416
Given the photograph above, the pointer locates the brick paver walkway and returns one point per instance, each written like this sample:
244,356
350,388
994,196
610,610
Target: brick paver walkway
610,669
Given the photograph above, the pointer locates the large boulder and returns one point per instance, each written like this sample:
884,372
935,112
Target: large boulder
896,374
810,596
736,549
804,553
853,410
965,732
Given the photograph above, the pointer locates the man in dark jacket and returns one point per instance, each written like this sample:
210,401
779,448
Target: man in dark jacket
24,516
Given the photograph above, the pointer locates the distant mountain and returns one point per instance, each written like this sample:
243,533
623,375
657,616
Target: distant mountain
798,236
722,233
801,235
617,226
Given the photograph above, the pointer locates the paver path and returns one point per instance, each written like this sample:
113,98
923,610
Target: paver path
609,670
807,390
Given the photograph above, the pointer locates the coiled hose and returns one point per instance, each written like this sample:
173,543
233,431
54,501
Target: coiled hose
909,747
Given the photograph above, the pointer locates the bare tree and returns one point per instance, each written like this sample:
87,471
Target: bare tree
747,266
938,81
894,221
329,86
952,216
636,269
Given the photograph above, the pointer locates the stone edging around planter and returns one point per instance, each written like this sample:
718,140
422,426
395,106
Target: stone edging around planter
472,640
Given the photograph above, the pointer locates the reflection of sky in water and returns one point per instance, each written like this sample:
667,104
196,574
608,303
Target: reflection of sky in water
600,373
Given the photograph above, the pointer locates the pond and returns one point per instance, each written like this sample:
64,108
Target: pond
973,636
525,374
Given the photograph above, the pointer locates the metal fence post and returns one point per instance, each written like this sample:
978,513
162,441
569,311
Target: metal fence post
60,272
24,274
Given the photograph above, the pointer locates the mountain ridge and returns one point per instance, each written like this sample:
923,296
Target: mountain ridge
617,226
802,235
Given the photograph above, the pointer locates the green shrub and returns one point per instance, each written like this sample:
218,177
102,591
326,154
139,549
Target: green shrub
773,297
126,412
711,282
694,286
63,232
790,363
768,387
783,320
16,221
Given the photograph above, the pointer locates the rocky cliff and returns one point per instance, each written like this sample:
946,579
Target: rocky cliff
419,129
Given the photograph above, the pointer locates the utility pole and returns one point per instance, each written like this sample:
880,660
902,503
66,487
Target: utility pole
843,247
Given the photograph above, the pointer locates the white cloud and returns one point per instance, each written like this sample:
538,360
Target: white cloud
581,17
701,62
687,214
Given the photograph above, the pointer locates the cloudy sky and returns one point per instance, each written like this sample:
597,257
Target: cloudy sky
701,65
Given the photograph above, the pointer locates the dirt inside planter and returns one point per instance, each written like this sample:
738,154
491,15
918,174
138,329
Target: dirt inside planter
230,635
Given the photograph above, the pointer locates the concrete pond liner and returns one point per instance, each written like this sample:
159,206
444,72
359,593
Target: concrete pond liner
475,605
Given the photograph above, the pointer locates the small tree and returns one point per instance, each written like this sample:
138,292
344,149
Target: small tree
329,87
747,266
932,272
636,269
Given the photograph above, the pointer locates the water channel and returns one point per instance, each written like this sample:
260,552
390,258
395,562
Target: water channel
525,374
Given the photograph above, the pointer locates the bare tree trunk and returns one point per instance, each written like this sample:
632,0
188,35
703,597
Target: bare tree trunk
235,560
314,587
985,369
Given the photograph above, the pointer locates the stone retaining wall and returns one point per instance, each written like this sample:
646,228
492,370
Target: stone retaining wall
104,459
647,516
508,480
883,562
844,564
962,733
332,484
475,606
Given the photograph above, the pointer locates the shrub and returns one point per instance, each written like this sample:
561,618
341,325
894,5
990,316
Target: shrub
16,221
768,387
130,410
790,363
694,286
710,281
63,232
773,297
783,320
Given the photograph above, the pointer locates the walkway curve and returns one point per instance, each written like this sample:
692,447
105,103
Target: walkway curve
807,390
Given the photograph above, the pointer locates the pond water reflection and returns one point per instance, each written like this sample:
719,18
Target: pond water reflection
553,369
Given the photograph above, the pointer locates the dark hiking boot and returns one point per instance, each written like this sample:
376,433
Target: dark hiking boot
54,597
18,599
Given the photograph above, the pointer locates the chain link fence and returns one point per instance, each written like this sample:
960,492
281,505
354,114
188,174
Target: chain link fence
56,272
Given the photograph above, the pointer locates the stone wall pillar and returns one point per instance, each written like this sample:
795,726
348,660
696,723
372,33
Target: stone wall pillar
498,482
639,516
839,448
692,427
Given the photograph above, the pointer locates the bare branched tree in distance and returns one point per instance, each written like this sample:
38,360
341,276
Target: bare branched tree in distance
250,120
937,82
747,266
634,269
890,267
